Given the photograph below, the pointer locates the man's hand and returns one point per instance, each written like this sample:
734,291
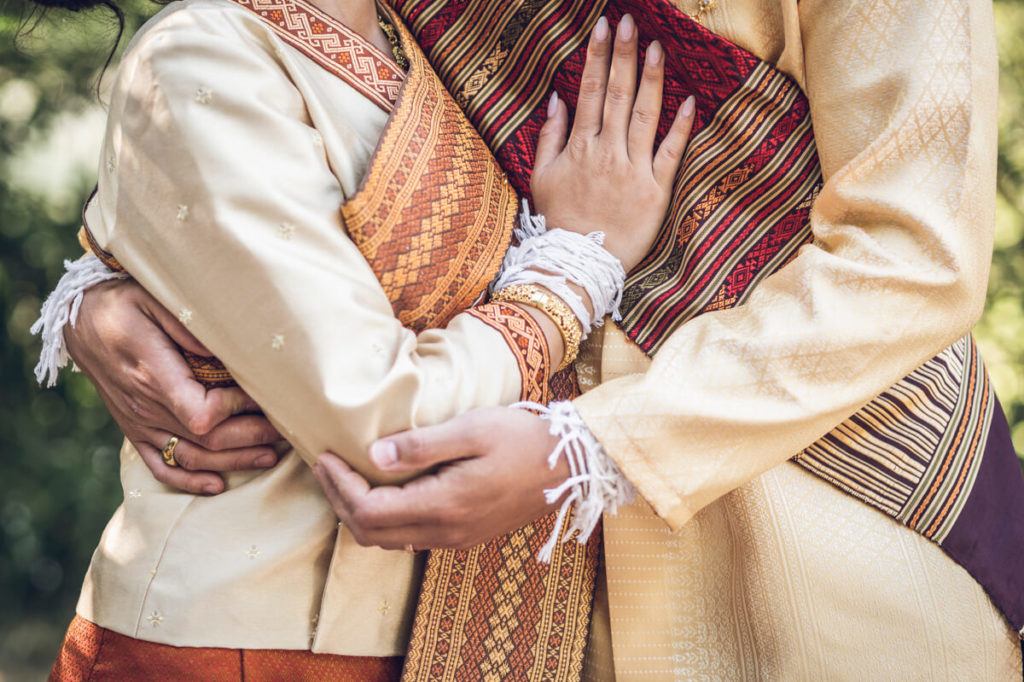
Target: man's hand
124,341
489,474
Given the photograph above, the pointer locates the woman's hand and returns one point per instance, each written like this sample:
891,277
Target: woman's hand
608,177
489,474
127,344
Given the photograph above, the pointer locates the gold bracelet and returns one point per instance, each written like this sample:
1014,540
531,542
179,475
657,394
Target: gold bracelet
555,308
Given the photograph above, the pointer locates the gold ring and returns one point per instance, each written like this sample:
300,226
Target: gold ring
409,548
168,452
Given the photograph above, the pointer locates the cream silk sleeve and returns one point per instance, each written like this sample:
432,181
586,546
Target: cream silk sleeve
903,101
219,196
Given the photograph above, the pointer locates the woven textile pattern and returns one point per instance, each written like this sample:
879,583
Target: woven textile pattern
334,46
496,613
435,213
884,454
521,332
94,654
210,372
740,212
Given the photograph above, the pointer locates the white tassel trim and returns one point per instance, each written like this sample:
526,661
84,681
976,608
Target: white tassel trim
61,307
595,484
581,259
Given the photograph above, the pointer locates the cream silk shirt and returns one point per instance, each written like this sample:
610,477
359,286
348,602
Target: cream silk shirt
739,565
226,157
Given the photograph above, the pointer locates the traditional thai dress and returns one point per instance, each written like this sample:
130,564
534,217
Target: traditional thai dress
320,219
774,571
829,489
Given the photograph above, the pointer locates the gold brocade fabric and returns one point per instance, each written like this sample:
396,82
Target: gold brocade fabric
785,578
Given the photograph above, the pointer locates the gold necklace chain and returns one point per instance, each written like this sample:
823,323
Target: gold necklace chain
704,6
396,46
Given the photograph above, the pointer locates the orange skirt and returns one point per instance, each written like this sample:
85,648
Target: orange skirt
91,653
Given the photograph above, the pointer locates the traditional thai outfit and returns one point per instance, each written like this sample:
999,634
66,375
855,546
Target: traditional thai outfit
738,564
789,309
305,208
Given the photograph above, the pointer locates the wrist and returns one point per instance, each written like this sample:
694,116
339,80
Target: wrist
560,318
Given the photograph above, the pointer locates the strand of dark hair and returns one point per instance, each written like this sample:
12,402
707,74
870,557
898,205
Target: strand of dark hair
35,11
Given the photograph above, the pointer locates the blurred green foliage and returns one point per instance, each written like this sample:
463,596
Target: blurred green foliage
59,481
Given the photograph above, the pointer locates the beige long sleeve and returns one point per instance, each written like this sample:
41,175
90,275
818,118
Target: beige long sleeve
903,101
220,193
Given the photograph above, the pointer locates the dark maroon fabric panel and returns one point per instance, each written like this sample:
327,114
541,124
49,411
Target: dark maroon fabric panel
988,536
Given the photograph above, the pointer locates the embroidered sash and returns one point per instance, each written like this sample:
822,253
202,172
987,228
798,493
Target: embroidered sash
932,452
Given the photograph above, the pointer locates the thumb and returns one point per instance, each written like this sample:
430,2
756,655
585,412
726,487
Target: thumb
551,139
419,449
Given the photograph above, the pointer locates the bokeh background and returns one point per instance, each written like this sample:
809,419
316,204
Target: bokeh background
58,447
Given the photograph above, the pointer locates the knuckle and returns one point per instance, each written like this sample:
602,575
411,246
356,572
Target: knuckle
200,422
416,448
452,538
653,75
453,515
577,146
674,152
267,432
360,536
362,517
137,409
591,87
606,162
619,94
212,441
645,116
185,457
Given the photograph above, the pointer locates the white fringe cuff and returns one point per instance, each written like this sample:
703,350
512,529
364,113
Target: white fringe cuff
595,484
61,307
581,259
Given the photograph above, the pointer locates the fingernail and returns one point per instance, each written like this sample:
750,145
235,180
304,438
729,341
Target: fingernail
654,54
688,106
384,454
625,31
601,29
552,104
265,461
210,489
